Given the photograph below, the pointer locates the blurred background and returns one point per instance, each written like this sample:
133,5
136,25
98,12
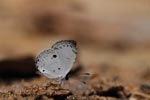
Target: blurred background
113,36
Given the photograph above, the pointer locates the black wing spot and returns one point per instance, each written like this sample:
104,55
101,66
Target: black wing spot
56,48
54,56
53,70
59,68
43,70
37,60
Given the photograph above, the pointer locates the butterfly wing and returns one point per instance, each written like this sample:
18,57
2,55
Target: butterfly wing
45,72
48,63
66,51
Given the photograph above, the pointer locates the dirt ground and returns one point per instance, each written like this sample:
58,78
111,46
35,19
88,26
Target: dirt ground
114,75
113,41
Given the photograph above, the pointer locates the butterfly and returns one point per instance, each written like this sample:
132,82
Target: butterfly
57,61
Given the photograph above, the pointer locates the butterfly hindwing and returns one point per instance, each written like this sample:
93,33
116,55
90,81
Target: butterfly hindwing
67,54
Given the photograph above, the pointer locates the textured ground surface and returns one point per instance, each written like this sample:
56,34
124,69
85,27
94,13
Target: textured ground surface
107,81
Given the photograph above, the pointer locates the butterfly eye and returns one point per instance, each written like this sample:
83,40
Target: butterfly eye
54,56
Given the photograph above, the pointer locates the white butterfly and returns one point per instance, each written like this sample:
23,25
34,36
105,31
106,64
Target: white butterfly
57,61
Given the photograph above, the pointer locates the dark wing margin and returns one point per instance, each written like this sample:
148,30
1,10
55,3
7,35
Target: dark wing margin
73,42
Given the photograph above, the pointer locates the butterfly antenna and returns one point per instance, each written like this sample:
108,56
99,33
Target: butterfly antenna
86,74
83,82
